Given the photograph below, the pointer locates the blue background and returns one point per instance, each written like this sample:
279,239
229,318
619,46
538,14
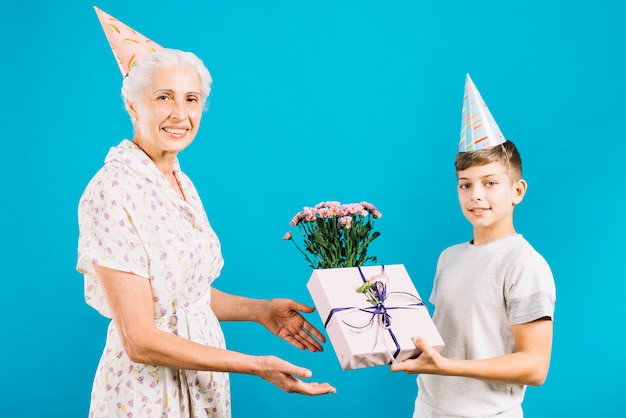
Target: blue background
320,100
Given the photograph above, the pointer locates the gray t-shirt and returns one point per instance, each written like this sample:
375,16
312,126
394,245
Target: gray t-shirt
478,293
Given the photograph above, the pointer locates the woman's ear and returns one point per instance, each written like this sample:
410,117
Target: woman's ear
131,111
519,189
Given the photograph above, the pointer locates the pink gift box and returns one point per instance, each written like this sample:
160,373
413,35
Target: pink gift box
356,327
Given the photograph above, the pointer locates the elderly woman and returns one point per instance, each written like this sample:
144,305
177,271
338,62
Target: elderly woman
149,258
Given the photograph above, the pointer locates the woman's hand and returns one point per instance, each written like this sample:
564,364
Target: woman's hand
282,317
284,375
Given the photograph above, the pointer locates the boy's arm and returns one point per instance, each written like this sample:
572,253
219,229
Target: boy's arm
527,366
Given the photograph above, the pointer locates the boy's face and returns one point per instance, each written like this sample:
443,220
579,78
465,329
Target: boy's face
487,199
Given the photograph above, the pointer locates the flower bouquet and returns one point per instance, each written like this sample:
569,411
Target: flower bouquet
336,235
370,312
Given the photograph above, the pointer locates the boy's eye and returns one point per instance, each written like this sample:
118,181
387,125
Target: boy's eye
491,183
464,186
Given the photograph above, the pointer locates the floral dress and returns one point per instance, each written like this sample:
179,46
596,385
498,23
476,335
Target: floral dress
132,220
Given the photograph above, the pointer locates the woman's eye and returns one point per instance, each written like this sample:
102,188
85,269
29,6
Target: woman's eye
162,98
193,99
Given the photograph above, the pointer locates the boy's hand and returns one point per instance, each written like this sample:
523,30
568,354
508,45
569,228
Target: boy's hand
428,362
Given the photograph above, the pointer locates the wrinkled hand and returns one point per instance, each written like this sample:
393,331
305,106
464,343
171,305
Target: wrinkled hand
428,362
282,317
281,373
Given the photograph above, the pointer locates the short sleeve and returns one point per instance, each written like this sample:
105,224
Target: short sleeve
108,236
531,292
440,262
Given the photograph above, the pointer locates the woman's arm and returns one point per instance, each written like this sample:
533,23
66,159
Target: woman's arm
280,316
130,300
527,366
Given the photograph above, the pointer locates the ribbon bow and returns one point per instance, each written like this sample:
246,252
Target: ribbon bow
378,295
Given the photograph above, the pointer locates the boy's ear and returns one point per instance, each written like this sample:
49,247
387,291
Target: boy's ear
519,188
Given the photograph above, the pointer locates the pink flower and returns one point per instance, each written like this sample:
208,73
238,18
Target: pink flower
372,209
382,278
309,214
352,209
345,221
288,236
325,213
329,204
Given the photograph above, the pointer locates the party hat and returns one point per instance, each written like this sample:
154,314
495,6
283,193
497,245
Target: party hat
478,128
127,45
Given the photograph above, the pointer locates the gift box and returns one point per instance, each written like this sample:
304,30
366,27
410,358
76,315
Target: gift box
373,332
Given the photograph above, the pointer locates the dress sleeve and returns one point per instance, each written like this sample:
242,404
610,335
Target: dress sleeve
108,236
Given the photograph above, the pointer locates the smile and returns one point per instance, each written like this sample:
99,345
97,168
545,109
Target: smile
479,210
175,131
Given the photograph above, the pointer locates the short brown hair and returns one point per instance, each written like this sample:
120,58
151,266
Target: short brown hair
505,154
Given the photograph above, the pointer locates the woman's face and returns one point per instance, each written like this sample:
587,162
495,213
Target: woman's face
167,116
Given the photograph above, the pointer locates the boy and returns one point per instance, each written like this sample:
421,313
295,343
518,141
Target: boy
494,296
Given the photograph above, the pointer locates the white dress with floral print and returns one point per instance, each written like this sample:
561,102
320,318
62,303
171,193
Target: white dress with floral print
132,220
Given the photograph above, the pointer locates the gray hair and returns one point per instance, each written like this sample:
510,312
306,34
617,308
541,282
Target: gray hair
139,76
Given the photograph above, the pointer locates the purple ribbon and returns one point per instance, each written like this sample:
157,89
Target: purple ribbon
378,309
